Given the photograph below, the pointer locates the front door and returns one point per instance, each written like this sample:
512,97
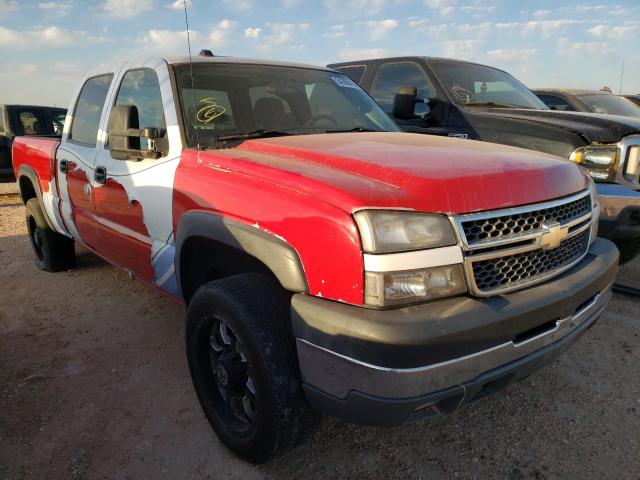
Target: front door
133,205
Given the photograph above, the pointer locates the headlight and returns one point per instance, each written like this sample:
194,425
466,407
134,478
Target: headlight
385,231
599,161
395,288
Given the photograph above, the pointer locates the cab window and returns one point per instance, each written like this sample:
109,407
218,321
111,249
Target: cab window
141,89
404,74
355,72
555,103
86,117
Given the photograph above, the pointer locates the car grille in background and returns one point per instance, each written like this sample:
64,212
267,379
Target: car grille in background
513,270
495,228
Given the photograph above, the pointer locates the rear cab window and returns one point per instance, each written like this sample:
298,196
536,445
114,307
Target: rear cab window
354,72
88,110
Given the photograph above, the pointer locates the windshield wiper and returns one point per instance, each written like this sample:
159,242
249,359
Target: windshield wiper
260,133
354,129
489,104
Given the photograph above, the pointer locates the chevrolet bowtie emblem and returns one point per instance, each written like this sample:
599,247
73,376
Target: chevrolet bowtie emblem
553,234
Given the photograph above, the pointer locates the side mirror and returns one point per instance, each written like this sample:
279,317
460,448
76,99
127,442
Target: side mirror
404,103
125,134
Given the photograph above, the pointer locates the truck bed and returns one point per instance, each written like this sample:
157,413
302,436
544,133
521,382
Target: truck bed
37,154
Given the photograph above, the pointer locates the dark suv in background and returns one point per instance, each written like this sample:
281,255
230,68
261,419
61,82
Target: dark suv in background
468,100
19,120
588,101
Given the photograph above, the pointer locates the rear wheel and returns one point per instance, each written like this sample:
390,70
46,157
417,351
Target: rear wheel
242,359
54,252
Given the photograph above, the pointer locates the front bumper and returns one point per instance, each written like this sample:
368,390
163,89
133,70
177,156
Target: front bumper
619,212
389,367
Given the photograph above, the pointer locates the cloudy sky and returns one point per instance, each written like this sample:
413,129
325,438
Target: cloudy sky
45,46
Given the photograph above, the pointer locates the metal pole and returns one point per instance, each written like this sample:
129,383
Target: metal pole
621,77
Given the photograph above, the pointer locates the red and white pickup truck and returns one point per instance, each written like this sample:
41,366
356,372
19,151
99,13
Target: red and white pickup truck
329,262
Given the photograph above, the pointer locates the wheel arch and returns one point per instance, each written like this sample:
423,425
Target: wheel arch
29,187
210,246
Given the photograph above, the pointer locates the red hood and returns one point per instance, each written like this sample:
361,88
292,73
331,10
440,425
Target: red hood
403,170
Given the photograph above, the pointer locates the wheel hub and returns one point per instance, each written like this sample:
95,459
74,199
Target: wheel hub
222,375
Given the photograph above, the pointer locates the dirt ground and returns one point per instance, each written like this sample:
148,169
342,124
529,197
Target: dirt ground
94,384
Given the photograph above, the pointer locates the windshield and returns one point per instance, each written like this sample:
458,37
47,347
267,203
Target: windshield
470,84
611,104
229,102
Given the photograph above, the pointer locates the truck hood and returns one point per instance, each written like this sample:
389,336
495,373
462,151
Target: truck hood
595,128
402,170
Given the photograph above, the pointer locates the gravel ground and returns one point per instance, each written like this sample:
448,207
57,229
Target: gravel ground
94,384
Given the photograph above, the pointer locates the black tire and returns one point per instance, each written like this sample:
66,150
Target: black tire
54,252
255,310
629,249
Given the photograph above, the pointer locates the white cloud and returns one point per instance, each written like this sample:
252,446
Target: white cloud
354,8
512,55
281,35
9,6
443,7
168,41
219,36
252,32
242,5
126,8
179,5
379,28
58,8
47,36
19,70
612,32
548,27
541,13
335,31
365,53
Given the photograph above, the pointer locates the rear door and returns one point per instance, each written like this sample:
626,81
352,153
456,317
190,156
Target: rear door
134,202
76,157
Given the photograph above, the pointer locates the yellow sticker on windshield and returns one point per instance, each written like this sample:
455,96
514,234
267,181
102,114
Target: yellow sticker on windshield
210,111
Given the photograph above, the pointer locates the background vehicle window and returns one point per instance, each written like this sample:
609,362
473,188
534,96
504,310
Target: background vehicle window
57,121
141,89
86,117
1,120
395,75
610,104
556,103
30,123
355,73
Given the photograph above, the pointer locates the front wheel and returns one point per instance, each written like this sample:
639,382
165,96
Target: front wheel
244,368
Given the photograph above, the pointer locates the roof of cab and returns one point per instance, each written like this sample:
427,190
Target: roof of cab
197,59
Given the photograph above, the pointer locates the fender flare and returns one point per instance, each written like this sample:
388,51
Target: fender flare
28,172
279,257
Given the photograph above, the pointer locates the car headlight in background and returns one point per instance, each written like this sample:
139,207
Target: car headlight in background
598,160
388,234
384,231
398,288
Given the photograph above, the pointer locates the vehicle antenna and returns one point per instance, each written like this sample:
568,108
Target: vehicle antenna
621,77
193,92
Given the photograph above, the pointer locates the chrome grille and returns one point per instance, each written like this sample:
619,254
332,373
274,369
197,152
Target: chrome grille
514,270
492,228
510,249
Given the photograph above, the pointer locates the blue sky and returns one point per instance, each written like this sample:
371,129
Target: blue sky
45,46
